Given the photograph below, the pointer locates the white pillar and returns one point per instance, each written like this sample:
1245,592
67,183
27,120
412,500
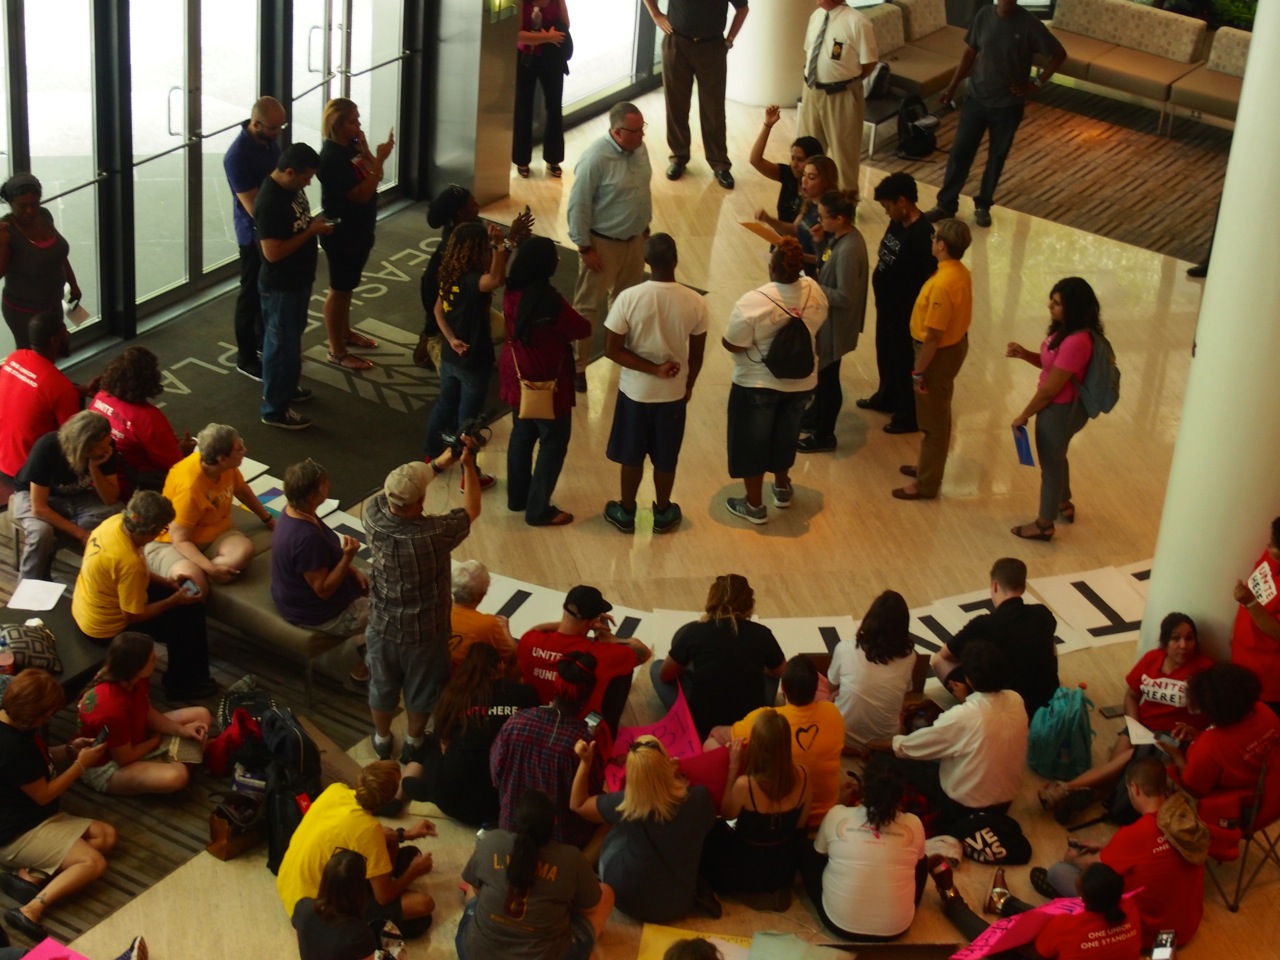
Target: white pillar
766,64
1224,486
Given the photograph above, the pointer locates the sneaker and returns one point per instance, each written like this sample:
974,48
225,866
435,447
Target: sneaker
383,750
487,480
301,395
781,495
252,371
937,213
738,506
292,420
982,217
664,521
412,754
816,444
618,515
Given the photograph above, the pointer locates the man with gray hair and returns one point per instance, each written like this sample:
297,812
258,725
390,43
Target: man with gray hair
610,206
470,626
201,544
409,590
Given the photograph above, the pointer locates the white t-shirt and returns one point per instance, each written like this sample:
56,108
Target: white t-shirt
657,320
756,320
870,695
869,884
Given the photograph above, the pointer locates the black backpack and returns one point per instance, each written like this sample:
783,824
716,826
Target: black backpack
914,142
292,778
790,355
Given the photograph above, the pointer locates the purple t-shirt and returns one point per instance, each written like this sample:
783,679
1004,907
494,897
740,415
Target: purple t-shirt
297,547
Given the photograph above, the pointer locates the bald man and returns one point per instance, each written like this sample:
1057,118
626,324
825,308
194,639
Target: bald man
248,162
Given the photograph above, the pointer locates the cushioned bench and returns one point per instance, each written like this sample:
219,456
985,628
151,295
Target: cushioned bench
1214,88
80,656
927,28
912,69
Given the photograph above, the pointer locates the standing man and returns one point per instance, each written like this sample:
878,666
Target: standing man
656,332
287,236
1001,42
694,47
609,210
905,262
409,596
839,49
249,161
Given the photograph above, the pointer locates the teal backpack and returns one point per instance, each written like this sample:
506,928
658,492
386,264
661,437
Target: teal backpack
1060,741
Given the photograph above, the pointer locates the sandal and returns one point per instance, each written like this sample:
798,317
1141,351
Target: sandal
558,518
1067,512
1044,533
554,170
360,340
349,361
524,172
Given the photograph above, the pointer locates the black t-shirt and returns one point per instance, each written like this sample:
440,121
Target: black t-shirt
1024,634
431,279
341,170
906,262
727,678
701,19
47,467
24,758
467,312
789,198
279,214
345,938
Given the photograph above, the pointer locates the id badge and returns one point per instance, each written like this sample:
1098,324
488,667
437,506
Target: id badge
837,50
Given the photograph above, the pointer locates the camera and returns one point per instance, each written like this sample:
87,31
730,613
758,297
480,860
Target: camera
477,428
1164,946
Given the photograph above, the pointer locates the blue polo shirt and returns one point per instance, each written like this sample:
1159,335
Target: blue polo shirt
247,163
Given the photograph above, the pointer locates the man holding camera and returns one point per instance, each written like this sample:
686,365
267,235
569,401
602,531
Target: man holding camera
410,594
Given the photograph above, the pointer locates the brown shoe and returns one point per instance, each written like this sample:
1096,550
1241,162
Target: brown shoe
997,895
907,470
943,877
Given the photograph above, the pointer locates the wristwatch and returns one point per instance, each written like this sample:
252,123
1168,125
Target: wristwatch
400,834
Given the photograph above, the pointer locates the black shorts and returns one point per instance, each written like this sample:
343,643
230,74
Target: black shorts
764,427
347,256
653,430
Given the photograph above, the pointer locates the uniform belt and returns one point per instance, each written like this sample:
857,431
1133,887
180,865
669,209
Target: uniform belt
711,39
605,236
832,87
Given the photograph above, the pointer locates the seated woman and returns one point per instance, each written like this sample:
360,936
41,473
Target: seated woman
651,856
36,841
68,486
770,801
144,437
726,663
115,592
866,869
313,582
454,771
1157,699
119,700
534,898
1255,635
332,925
469,625
871,674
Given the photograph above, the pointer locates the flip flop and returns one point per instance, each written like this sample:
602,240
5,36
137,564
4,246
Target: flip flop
360,340
350,362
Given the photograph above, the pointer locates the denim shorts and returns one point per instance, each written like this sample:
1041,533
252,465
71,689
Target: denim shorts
653,430
764,427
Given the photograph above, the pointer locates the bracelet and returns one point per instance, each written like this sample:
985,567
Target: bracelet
436,468
917,376
400,834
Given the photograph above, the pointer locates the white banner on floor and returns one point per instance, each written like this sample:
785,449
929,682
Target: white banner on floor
1093,608
797,635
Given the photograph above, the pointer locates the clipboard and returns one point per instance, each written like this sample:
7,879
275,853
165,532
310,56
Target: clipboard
762,231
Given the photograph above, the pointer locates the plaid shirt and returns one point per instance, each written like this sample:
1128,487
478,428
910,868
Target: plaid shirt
534,751
409,586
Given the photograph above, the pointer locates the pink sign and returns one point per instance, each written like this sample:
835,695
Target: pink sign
680,737
1009,932
51,949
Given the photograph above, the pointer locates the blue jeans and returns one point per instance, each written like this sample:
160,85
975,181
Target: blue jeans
975,119
528,489
764,426
1055,425
462,396
284,318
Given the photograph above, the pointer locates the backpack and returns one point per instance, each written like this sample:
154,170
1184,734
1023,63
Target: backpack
292,779
1100,388
914,142
253,701
876,83
790,355
992,838
1059,742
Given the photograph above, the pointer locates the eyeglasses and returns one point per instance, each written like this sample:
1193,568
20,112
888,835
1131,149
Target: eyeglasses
643,128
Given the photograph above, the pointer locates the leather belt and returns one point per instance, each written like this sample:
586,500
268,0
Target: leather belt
833,87
605,236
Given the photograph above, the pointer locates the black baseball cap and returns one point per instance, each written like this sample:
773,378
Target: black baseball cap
586,603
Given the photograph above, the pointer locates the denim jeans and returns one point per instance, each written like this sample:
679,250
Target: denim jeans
40,538
529,489
284,318
1001,123
1055,425
764,426
462,396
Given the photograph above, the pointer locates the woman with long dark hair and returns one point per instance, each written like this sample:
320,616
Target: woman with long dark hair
1063,358
872,673
541,328
786,174
333,926
534,897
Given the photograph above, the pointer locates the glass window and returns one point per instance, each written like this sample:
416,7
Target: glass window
604,40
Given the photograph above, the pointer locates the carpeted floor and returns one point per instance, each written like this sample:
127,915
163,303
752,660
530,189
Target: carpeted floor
1094,163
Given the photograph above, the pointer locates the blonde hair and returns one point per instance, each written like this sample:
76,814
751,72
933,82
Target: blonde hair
377,784
335,111
955,236
730,599
80,434
653,790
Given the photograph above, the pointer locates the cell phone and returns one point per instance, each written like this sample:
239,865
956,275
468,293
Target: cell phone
335,221
101,738
1112,712
593,722
189,587
1164,945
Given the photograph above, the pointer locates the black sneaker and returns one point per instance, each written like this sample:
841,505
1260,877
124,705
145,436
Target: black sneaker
251,370
982,216
618,515
937,213
725,179
816,444
292,420
301,395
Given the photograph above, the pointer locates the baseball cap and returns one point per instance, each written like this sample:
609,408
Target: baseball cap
586,603
408,483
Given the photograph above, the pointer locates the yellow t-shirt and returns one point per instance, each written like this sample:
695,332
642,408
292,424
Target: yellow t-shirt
945,303
335,820
817,738
471,627
201,505
113,581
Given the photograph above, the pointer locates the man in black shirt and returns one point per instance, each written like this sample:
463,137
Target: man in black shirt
287,236
1024,633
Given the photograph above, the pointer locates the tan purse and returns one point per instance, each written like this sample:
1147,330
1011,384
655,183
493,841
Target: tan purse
537,397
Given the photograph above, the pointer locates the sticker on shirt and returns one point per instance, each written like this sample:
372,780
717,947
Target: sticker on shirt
1164,690
837,50
1262,584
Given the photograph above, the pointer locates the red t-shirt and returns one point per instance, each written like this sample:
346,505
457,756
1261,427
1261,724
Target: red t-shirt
540,651
1230,758
1172,894
37,398
1162,697
122,712
1252,648
1086,934
144,437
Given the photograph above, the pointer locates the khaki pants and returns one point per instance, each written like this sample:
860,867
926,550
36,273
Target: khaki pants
836,120
623,262
933,414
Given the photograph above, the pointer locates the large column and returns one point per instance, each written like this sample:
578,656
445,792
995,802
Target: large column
1224,488
766,64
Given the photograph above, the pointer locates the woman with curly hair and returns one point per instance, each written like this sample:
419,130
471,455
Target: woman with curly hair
871,674
144,437
474,265
765,411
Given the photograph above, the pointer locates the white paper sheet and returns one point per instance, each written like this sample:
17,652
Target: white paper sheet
36,595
